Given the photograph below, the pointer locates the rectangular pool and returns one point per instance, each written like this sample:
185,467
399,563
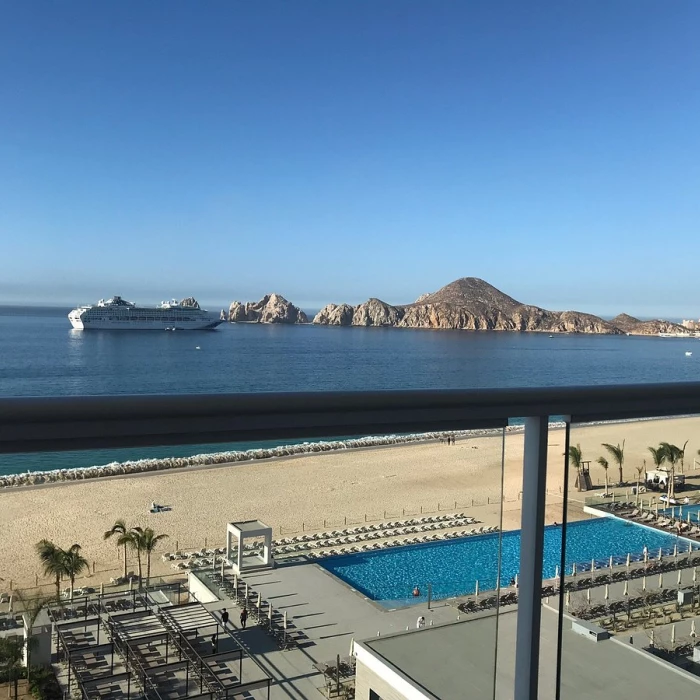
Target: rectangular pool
453,567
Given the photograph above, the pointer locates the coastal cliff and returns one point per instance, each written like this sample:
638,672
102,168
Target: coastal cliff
633,326
272,308
468,304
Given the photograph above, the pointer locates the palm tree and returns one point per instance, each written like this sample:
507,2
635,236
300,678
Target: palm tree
11,656
604,463
618,454
672,453
575,460
51,557
148,541
119,528
681,454
132,540
658,455
641,469
74,563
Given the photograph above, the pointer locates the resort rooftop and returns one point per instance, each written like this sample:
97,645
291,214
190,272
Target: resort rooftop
456,660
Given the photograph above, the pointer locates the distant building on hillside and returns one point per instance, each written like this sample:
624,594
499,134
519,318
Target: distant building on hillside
691,325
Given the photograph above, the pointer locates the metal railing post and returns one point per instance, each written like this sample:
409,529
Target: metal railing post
531,549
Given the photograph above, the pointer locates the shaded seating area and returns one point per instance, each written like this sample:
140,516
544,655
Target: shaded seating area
168,652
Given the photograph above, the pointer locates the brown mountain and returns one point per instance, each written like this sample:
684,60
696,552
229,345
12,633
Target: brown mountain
466,304
633,326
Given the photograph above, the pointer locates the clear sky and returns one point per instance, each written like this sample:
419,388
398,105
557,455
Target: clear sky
336,150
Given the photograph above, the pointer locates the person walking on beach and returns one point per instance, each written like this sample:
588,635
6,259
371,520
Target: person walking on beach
244,617
224,617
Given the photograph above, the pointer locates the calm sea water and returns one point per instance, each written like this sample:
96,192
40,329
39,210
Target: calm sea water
40,355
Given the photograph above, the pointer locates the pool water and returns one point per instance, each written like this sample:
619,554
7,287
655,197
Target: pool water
453,567
682,512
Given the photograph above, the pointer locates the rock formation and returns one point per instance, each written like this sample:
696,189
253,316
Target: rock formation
272,308
466,304
633,326
335,315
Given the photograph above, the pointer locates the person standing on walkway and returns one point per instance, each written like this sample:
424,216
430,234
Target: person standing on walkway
244,617
224,617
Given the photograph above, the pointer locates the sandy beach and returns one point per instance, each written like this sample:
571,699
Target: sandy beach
335,487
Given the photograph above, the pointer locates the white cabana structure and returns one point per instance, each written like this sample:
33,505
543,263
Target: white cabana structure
236,536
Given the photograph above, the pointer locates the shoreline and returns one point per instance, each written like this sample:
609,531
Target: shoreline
317,491
113,470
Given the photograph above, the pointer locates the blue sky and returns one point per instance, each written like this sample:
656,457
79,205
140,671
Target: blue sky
333,151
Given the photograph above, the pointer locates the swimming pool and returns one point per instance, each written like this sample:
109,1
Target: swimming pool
682,511
453,567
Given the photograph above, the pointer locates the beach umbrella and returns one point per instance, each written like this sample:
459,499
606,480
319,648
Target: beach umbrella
592,565
246,591
673,634
644,583
568,598
680,571
607,591
651,638
102,588
352,644
692,629
588,595
660,553
611,563
516,580
284,620
9,607
656,508
688,519
626,589
269,614
680,511
675,551
695,574
259,601
661,580
556,572
573,569
673,512
629,561
223,564
646,555
131,586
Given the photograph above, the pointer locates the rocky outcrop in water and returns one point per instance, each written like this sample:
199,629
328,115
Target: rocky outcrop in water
191,302
272,308
335,315
633,326
466,304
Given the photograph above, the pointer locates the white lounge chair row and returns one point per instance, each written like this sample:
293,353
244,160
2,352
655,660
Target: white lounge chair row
367,547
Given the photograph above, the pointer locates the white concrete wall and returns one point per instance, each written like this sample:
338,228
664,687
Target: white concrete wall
371,673
199,591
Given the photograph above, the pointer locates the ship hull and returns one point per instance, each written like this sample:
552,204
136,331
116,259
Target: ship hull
85,324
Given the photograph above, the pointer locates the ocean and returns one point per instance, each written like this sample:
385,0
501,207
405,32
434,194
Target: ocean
41,355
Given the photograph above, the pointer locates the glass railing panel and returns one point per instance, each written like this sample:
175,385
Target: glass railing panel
375,540
632,545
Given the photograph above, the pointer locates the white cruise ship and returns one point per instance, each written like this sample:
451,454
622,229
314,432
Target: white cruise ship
118,314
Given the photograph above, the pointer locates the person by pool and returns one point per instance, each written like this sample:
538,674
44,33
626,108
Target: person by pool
416,592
